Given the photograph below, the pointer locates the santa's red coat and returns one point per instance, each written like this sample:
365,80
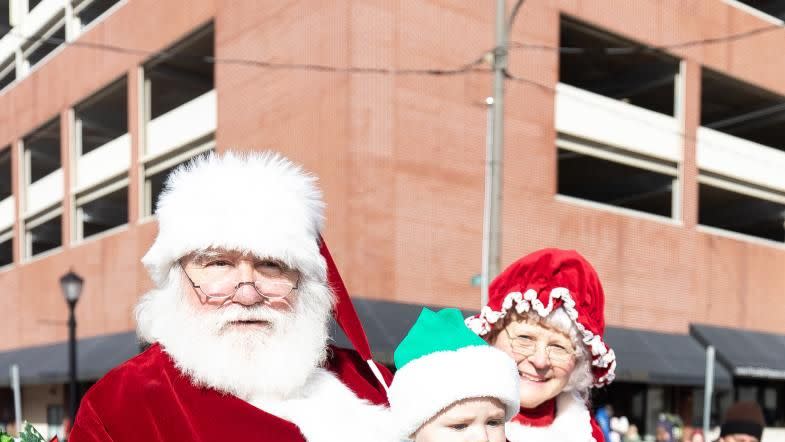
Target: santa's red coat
148,399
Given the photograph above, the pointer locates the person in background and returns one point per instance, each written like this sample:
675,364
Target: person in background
697,436
743,422
632,434
603,418
664,431
546,311
670,427
450,385
619,427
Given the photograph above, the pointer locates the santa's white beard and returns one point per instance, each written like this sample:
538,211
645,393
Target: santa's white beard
272,362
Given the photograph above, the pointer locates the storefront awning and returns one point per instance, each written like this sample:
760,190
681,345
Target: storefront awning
48,364
385,323
643,356
661,358
745,353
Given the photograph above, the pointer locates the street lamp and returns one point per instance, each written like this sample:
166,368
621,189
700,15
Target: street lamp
71,284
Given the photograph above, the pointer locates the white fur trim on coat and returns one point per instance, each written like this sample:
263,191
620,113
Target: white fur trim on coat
602,355
326,410
427,385
572,424
256,202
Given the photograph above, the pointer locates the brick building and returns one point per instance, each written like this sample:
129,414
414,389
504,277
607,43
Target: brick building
653,142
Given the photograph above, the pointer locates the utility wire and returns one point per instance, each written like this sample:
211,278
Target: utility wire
474,65
627,50
465,68
551,90
513,14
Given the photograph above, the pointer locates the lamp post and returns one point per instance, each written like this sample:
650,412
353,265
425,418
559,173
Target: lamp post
71,284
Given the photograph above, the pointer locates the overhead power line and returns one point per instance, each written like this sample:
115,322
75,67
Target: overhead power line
551,90
475,65
628,50
472,66
514,13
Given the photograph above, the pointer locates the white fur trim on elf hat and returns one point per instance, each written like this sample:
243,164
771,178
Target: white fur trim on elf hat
257,202
429,384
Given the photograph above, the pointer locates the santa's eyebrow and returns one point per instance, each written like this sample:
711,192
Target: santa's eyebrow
283,266
202,255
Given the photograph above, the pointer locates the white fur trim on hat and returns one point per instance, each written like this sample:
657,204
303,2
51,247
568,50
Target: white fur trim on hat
429,384
257,202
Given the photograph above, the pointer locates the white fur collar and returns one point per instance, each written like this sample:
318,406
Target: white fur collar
326,410
572,424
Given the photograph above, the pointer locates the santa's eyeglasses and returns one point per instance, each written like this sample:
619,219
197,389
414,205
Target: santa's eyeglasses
221,282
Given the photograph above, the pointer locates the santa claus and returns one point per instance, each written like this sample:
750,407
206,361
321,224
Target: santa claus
238,320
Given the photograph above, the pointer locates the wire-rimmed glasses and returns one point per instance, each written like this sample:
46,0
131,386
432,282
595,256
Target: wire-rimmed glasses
222,284
525,347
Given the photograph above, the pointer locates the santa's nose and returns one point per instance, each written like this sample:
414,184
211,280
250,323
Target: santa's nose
246,294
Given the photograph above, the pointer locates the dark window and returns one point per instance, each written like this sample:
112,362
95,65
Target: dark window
768,393
7,252
43,148
156,182
775,8
47,46
181,73
608,182
740,109
6,407
54,421
741,213
103,117
46,236
105,213
7,73
5,18
645,78
5,173
94,10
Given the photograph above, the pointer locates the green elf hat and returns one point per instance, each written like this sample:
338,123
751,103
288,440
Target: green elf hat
440,362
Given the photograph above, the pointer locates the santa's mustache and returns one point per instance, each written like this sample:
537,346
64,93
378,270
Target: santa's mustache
220,319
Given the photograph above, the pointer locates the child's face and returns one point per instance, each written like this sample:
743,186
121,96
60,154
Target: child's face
469,420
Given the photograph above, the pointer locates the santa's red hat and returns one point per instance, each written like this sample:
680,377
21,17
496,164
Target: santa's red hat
260,202
544,281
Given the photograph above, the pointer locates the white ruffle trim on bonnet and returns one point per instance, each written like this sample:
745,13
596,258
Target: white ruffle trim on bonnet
602,356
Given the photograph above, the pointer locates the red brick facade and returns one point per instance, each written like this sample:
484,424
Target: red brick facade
401,157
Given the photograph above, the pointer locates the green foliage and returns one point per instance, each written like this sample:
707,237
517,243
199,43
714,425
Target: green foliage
30,434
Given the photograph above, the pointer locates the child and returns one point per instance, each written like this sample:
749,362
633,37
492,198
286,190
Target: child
451,386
